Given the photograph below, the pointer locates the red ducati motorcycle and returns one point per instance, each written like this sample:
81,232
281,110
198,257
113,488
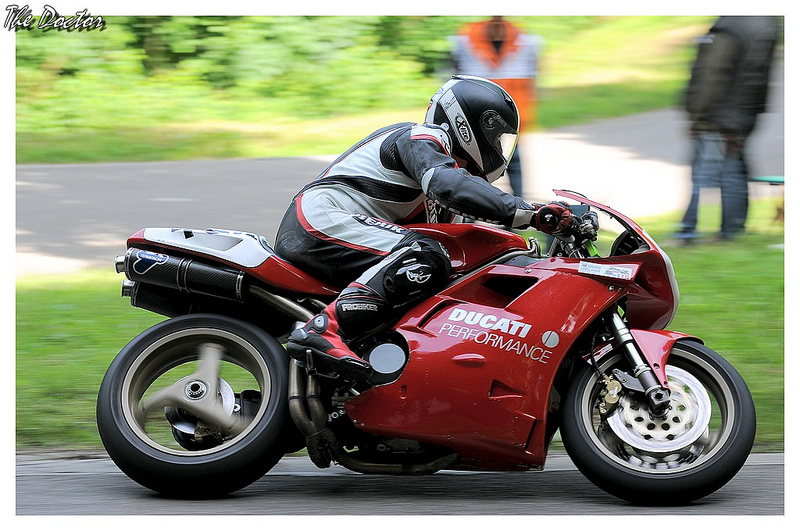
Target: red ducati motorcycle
520,344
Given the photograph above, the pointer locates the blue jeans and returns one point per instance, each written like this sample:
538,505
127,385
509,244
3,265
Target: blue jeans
717,165
514,173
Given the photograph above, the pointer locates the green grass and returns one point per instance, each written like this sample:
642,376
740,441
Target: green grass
276,138
732,296
69,329
614,66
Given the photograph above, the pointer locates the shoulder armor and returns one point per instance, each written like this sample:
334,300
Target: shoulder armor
432,132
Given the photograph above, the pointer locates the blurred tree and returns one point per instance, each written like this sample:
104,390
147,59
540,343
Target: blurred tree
147,71
423,39
313,65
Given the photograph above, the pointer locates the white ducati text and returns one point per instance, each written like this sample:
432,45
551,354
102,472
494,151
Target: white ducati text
490,322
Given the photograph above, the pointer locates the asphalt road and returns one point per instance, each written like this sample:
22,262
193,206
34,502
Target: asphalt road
72,216
79,215
94,486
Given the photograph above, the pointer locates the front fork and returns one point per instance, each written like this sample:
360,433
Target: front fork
644,378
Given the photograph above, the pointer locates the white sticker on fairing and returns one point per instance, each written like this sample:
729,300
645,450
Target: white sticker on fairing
604,270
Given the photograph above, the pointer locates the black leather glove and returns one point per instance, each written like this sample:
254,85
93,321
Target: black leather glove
553,218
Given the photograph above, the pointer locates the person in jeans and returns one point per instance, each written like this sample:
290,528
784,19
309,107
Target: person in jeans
726,93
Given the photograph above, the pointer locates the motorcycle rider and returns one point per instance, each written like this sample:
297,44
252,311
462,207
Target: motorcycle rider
346,226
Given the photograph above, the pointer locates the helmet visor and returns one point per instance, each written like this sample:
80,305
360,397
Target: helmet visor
503,141
506,144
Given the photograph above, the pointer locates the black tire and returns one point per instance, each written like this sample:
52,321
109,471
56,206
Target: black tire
697,449
143,446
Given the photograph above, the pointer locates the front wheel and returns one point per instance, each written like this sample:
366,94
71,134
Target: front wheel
196,406
693,450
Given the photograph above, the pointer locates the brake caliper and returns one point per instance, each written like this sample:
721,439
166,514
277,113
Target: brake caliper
611,397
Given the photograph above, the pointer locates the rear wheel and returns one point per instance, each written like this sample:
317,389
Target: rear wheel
196,406
693,450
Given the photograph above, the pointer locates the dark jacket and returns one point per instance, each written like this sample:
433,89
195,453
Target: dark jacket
730,76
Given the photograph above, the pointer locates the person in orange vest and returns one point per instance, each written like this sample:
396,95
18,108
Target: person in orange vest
496,49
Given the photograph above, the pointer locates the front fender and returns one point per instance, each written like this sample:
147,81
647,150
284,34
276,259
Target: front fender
655,346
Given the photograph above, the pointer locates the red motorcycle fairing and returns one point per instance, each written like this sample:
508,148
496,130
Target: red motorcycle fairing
471,246
480,375
659,277
655,346
650,297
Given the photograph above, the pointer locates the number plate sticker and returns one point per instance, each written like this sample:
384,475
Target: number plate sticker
604,270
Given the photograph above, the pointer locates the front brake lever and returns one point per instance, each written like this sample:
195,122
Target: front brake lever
589,225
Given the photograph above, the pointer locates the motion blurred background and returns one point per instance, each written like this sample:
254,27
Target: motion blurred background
170,88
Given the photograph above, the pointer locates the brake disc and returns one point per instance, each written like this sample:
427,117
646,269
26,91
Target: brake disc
686,420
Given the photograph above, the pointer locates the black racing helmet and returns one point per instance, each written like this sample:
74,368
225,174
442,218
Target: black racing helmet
482,121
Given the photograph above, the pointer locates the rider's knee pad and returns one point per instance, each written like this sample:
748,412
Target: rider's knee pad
415,269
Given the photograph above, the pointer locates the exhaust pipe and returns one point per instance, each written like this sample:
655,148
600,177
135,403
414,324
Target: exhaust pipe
119,264
297,402
128,287
147,286
184,274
